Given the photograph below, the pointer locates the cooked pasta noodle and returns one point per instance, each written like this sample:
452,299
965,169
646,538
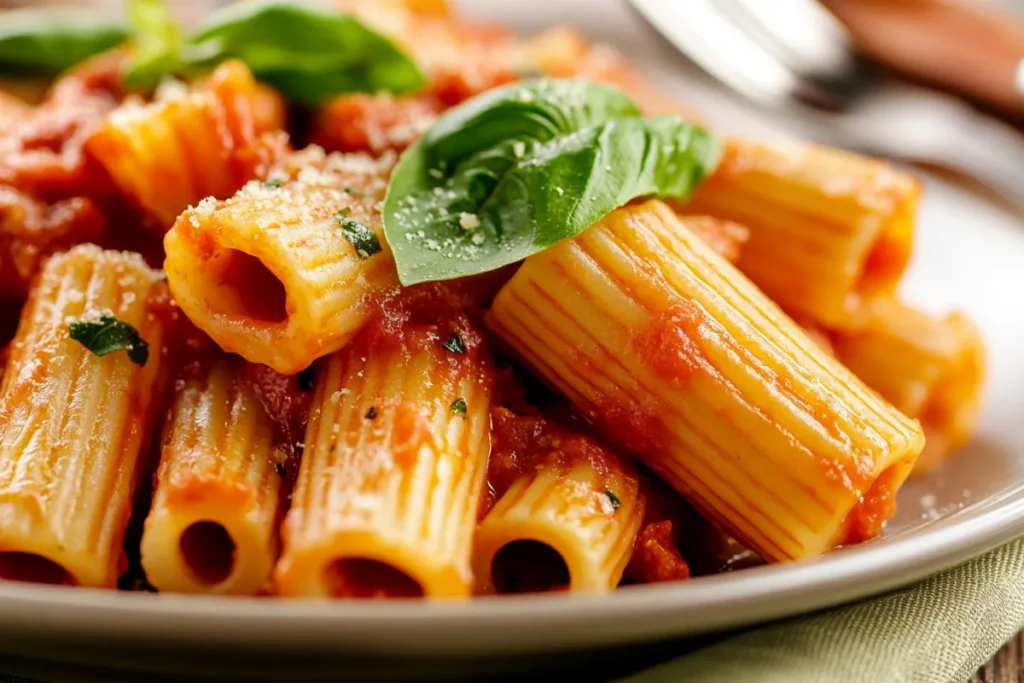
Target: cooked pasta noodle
281,272
393,471
829,230
566,519
213,523
930,368
684,361
207,141
73,424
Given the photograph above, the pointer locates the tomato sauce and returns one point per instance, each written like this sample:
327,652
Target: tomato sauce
868,517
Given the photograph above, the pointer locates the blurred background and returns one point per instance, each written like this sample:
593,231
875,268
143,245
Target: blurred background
936,83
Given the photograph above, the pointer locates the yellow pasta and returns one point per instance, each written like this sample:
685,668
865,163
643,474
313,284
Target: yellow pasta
212,525
930,368
829,230
392,473
683,360
191,144
282,272
725,237
567,519
73,424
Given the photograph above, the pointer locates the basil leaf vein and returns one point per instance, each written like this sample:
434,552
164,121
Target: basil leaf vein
109,335
47,42
520,168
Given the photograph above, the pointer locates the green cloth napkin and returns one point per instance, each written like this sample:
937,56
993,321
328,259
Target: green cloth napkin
938,631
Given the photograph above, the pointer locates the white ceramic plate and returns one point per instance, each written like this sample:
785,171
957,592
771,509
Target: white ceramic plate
968,255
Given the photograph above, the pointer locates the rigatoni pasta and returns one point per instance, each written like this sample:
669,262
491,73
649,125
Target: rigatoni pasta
73,425
346,327
829,231
566,517
281,273
212,527
208,141
930,368
392,472
684,361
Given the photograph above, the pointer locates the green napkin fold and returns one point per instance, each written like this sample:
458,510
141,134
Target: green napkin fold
938,631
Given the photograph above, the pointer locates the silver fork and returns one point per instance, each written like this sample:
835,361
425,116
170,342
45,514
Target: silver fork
792,55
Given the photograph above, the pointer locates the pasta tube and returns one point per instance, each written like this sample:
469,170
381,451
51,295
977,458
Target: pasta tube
72,424
829,230
212,525
930,368
568,512
209,141
680,358
281,272
393,470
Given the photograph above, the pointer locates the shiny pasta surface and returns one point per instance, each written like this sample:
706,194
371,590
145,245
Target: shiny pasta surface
204,330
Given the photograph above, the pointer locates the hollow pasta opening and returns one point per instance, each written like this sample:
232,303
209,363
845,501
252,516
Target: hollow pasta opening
34,569
356,577
888,256
244,287
208,551
528,566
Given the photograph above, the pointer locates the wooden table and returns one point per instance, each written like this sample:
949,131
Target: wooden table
1006,667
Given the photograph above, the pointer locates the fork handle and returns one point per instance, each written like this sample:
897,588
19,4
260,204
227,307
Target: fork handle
989,151
978,54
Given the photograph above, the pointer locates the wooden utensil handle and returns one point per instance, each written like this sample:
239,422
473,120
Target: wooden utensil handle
973,52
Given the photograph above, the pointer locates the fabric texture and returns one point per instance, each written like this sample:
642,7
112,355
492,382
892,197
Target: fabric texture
938,631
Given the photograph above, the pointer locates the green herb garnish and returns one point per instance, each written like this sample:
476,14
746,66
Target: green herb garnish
458,407
454,344
359,236
515,170
352,191
109,335
308,52
371,414
45,42
273,182
616,503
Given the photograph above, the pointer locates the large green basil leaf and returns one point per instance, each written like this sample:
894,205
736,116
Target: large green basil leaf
514,171
47,42
307,52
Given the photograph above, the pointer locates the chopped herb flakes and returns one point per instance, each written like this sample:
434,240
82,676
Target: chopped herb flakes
108,335
352,191
361,237
459,407
454,344
306,378
616,503
371,414
273,182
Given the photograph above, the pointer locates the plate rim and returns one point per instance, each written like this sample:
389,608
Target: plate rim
701,605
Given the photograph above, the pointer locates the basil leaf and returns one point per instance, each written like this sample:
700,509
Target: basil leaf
157,41
47,42
108,335
454,344
359,236
514,171
459,407
309,53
